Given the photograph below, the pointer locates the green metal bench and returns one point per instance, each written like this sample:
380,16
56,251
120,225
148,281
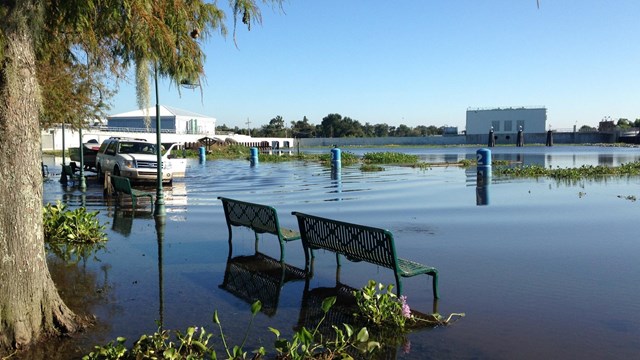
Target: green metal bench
122,185
259,218
358,243
68,173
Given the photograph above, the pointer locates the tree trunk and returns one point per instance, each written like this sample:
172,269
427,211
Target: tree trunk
30,306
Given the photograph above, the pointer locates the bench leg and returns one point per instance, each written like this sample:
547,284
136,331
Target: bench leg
151,200
434,276
118,199
398,285
281,251
435,286
257,239
308,256
230,237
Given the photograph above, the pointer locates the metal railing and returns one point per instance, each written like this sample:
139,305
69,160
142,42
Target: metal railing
507,108
142,130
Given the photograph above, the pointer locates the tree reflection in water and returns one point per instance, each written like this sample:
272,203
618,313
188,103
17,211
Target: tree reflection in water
83,287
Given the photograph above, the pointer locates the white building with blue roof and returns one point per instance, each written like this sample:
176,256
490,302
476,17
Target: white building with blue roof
172,120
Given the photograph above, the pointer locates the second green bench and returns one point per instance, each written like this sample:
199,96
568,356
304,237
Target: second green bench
358,243
122,185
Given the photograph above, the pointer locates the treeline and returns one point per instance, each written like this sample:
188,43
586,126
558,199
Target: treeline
333,125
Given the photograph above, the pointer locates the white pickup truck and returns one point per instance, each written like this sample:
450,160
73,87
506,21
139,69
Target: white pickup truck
135,159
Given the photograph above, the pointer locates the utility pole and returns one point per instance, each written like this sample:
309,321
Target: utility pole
248,126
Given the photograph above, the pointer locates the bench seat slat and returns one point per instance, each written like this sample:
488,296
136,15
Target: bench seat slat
289,234
410,268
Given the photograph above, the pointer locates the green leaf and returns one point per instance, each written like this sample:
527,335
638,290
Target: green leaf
305,335
349,329
237,351
215,317
255,307
199,345
363,335
275,331
191,330
372,345
328,303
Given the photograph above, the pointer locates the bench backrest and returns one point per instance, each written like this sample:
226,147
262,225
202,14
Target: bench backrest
121,184
67,170
355,242
260,218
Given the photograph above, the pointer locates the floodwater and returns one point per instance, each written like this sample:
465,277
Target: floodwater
542,269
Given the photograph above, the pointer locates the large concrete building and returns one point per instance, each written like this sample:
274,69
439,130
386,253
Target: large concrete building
506,121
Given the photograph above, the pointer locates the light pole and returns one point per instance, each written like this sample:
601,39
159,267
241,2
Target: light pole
160,210
83,183
63,176
63,145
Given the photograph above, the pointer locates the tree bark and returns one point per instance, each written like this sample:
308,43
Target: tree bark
30,306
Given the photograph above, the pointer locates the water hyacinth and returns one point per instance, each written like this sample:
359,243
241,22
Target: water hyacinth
406,310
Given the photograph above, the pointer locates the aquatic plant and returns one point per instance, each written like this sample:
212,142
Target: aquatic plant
628,197
382,308
371,168
194,343
72,235
379,306
584,171
389,158
309,344
346,158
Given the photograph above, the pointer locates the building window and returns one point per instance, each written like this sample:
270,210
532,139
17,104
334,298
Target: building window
495,125
508,125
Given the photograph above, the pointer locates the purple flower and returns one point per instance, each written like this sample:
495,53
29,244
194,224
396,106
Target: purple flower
406,346
406,310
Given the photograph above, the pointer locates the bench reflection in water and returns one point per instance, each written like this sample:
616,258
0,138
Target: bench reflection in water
259,277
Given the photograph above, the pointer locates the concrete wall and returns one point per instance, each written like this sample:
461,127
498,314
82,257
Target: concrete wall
537,138
418,140
541,138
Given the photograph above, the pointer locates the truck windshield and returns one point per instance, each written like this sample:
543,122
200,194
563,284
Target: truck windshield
137,148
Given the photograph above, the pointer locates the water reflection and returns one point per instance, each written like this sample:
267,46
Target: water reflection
160,227
558,156
84,289
259,277
560,227
483,181
336,182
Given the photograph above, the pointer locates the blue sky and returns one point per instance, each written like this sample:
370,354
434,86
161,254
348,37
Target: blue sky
420,62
